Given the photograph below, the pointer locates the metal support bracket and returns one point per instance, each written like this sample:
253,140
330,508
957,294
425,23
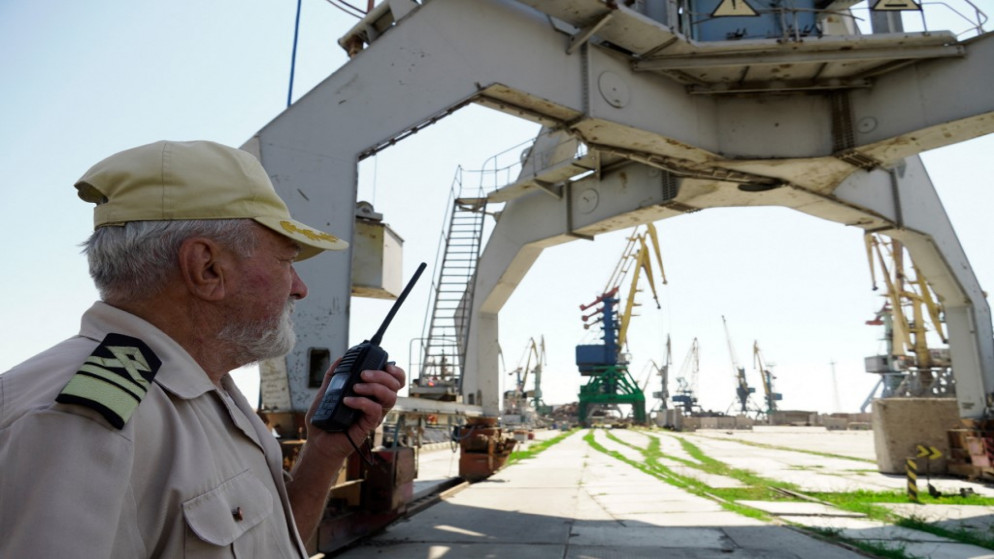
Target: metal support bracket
554,190
581,38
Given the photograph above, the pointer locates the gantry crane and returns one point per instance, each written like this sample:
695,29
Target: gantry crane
610,383
686,388
766,375
845,105
742,389
909,367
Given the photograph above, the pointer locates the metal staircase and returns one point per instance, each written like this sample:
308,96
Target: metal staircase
443,349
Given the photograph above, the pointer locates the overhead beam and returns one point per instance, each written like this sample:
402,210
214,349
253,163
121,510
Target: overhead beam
795,57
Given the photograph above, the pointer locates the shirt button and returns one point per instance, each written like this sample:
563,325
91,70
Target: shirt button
237,514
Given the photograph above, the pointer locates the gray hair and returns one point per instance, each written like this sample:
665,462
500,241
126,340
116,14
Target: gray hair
133,261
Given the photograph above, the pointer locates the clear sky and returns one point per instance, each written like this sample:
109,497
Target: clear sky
83,80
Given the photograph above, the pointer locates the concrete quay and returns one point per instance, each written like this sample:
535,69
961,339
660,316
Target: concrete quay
574,502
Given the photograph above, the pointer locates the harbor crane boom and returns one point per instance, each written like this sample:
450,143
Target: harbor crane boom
637,254
767,376
540,361
909,366
520,395
686,391
742,388
906,293
664,374
663,394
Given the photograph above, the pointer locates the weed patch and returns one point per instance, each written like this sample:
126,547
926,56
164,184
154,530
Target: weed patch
758,488
536,448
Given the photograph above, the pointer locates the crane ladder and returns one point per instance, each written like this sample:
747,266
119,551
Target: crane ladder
444,347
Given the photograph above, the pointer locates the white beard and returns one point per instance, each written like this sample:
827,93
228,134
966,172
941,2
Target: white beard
257,341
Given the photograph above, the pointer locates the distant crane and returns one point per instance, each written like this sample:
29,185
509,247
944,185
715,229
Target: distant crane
767,376
647,373
664,373
742,388
686,391
537,401
610,382
519,396
909,367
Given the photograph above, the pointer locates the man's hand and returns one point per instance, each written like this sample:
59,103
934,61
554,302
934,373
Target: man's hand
325,453
376,394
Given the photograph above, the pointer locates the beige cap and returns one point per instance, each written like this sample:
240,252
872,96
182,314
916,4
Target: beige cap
167,181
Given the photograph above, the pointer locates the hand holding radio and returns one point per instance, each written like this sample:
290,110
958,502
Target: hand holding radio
332,414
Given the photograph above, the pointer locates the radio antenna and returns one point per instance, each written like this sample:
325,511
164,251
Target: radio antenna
375,340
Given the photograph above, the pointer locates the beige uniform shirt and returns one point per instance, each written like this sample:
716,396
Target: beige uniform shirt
192,473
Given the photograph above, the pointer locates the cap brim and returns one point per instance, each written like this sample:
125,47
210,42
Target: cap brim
312,242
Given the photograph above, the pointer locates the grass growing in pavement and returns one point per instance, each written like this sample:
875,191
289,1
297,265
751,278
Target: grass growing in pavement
760,488
792,449
652,467
712,466
885,551
869,503
756,488
863,497
961,534
535,449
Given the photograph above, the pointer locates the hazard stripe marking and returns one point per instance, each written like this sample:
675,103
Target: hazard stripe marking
896,5
734,8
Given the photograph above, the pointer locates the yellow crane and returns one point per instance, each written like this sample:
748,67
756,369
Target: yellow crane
910,312
642,262
638,255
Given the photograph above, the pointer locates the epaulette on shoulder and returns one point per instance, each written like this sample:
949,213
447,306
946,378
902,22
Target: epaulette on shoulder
113,379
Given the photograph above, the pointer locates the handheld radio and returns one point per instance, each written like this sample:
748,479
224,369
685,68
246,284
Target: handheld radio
334,416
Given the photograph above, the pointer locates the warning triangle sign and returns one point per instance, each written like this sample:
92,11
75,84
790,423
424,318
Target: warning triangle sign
896,5
738,8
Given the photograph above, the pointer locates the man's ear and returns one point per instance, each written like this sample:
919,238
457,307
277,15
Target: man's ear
203,267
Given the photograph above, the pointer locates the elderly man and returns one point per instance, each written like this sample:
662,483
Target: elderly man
130,439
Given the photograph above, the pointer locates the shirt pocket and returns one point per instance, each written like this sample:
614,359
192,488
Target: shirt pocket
220,520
